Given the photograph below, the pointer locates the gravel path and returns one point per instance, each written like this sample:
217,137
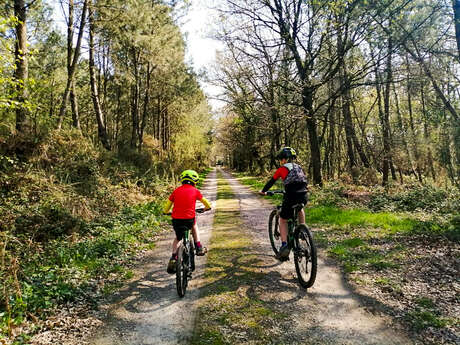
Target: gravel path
148,310
329,312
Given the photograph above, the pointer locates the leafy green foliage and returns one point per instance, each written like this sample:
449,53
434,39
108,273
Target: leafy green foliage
416,197
71,216
60,270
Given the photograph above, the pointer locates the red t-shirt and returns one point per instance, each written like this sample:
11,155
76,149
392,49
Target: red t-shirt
184,199
281,172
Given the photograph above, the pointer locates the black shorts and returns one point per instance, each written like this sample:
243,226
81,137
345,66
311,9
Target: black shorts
182,225
290,200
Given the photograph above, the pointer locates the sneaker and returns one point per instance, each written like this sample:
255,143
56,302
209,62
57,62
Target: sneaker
200,251
171,266
283,253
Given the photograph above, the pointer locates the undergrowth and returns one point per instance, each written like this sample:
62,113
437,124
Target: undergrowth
72,218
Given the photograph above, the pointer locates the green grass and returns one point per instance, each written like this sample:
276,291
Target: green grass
422,319
203,174
389,223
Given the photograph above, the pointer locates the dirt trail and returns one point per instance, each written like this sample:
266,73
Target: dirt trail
148,310
330,312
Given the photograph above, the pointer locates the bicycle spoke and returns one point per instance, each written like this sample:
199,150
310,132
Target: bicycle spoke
305,257
273,231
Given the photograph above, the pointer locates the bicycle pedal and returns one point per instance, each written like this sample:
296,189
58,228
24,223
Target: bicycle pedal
282,259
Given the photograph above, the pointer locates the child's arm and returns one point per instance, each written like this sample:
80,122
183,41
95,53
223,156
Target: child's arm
267,186
206,203
167,206
280,172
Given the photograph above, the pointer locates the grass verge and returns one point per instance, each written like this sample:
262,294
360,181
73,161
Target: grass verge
400,258
231,313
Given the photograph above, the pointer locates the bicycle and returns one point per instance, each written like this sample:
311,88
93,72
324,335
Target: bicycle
185,263
300,241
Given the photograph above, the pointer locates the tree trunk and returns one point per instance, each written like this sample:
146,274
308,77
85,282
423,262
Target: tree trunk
456,7
348,128
21,72
412,125
145,108
74,104
331,144
402,131
101,127
72,61
386,118
426,135
346,112
315,154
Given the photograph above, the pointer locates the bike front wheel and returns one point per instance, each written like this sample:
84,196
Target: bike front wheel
305,256
274,231
181,271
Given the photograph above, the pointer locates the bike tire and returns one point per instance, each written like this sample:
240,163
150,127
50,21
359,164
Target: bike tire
274,231
305,256
181,272
192,256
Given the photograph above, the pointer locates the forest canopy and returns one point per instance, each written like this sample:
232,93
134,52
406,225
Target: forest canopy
117,74
366,91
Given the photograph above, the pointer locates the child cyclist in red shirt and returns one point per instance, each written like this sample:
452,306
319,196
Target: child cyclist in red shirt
295,187
183,215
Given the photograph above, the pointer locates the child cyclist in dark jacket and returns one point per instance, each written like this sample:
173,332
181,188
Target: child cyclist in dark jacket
183,214
295,187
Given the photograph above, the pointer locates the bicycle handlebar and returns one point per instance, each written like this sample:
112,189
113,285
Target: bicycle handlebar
202,210
198,210
273,192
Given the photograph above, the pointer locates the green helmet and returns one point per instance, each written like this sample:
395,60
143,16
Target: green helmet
189,176
287,153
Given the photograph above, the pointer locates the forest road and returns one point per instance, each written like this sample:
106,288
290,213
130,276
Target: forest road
148,310
329,312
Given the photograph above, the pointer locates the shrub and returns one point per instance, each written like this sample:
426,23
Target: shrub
415,197
330,195
47,222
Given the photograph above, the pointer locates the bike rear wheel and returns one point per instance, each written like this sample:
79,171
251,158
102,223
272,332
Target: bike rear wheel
181,271
274,231
305,256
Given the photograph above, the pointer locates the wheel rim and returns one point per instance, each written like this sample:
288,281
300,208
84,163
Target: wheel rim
274,233
184,274
304,256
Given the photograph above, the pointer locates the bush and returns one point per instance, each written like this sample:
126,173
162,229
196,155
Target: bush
330,195
423,198
47,222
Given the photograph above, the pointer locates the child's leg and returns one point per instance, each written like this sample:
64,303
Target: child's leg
283,229
175,246
301,217
196,236
200,250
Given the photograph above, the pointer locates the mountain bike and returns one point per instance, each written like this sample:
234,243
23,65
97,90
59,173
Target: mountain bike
185,263
300,241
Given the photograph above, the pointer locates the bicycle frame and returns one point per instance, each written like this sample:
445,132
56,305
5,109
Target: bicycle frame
299,240
185,264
